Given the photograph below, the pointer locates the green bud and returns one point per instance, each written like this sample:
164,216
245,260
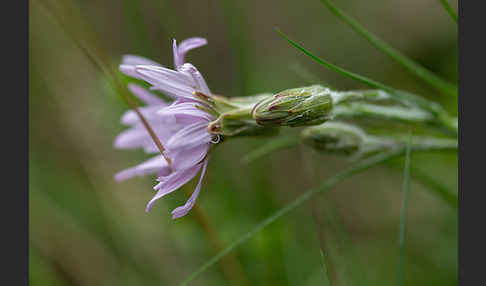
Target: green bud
303,106
335,137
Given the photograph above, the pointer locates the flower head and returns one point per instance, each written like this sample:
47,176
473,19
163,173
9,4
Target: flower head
180,126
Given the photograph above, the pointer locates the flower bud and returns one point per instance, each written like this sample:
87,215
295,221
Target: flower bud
303,106
336,138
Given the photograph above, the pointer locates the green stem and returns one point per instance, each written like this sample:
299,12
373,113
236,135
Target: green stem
403,216
412,66
391,113
324,267
449,10
326,185
431,144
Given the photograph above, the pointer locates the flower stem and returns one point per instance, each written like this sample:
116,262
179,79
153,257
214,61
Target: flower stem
403,216
449,10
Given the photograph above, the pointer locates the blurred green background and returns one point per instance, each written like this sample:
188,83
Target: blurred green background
87,229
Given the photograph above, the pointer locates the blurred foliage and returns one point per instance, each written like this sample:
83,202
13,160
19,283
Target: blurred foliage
86,229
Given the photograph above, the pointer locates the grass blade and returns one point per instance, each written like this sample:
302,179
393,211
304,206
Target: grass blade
355,76
412,66
324,267
403,215
449,10
337,69
401,95
326,185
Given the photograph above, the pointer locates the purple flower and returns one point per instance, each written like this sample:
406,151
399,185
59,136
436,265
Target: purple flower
181,126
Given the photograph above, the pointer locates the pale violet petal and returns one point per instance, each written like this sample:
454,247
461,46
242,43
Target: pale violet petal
138,137
131,138
174,89
182,159
145,96
187,45
190,136
177,59
130,117
160,75
138,60
154,165
183,210
175,93
129,70
183,110
172,182
197,78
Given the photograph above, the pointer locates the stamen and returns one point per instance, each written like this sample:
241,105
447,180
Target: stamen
201,95
216,139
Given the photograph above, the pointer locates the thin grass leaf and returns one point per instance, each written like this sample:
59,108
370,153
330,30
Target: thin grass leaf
372,83
352,75
308,77
324,267
403,215
337,69
271,146
401,95
412,66
449,10
326,185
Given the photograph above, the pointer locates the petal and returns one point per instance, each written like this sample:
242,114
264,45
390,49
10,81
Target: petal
131,138
138,137
190,136
138,60
183,210
174,88
130,117
174,91
177,60
172,182
145,96
185,158
185,112
129,70
184,47
197,78
154,165
159,75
